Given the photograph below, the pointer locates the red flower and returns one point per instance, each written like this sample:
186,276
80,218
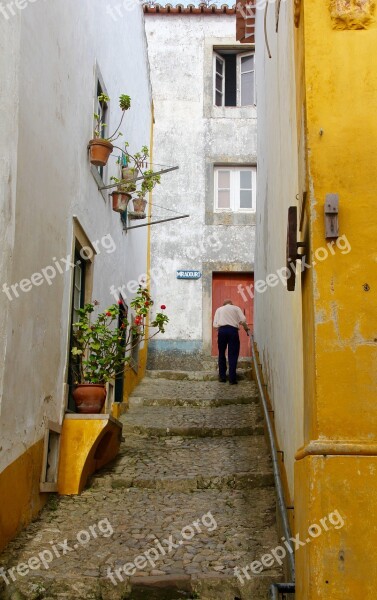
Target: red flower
147,303
163,306
120,302
108,314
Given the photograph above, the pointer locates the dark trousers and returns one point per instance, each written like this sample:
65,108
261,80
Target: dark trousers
228,337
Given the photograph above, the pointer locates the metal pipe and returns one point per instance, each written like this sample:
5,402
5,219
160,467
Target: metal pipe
275,466
160,221
108,187
281,588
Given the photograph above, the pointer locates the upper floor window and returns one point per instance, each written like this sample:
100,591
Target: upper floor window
233,78
235,189
101,108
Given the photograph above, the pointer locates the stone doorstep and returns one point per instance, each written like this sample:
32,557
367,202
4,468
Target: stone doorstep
195,432
136,401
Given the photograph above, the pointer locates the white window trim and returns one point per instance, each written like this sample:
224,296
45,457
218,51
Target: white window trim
235,189
239,78
220,58
238,81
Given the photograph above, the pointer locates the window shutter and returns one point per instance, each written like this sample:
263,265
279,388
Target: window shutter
218,80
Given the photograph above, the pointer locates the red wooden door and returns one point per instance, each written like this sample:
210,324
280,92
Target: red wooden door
238,287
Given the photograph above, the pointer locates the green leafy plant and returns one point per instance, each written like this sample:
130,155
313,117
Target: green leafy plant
101,348
149,178
124,104
123,185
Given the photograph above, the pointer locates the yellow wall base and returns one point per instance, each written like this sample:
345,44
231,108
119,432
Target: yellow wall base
20,499
340,563
88,442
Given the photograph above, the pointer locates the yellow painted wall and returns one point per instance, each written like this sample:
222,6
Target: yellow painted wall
19,493
339,297
341,100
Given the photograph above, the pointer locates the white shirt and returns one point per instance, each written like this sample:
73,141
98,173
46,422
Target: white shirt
228,315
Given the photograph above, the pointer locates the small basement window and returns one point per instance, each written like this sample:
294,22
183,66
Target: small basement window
233,78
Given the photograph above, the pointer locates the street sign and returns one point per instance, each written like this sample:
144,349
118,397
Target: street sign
188,274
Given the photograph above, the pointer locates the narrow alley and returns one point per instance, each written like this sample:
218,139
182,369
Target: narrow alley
189,498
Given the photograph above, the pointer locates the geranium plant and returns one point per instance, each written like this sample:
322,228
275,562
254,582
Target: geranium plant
124,186
136,164
124,104
101,352
101,146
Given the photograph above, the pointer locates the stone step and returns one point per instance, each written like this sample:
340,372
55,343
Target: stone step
158,587
186,464
218,421
204,535
198,390
210,364
207,375
137,401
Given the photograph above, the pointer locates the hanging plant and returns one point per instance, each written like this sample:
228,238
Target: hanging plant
100,147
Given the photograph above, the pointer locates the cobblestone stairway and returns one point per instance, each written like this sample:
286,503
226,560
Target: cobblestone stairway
189,498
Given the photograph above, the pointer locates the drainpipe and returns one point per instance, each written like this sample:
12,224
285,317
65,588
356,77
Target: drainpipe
277,588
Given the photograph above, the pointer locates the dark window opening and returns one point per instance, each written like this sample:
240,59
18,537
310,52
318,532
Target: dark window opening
119,380
102,109
78,301
230,79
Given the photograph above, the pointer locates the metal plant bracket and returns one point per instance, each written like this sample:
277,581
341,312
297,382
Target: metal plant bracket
331,216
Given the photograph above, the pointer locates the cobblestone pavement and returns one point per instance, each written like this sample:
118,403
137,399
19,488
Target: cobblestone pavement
189,498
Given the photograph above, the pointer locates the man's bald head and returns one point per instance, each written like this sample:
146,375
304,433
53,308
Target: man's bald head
227,302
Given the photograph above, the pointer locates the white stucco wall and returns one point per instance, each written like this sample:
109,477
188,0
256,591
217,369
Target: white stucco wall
192,133
278,330
46,120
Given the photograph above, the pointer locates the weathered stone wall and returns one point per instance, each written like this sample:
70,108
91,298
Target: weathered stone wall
194,134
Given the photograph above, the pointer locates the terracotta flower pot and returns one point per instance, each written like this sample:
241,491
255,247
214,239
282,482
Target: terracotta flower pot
89,398
120,200
99,151
139,205
129,174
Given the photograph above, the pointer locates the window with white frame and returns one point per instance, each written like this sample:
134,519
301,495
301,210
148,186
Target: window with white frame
235,189
233,78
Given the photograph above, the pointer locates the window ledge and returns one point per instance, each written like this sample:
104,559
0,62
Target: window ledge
230,218
233,112
99,181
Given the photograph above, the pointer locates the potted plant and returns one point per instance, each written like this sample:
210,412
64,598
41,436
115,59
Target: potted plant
122,195
150,179
101,147
101,349
139,161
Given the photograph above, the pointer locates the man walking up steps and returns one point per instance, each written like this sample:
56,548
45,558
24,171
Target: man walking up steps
227,321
